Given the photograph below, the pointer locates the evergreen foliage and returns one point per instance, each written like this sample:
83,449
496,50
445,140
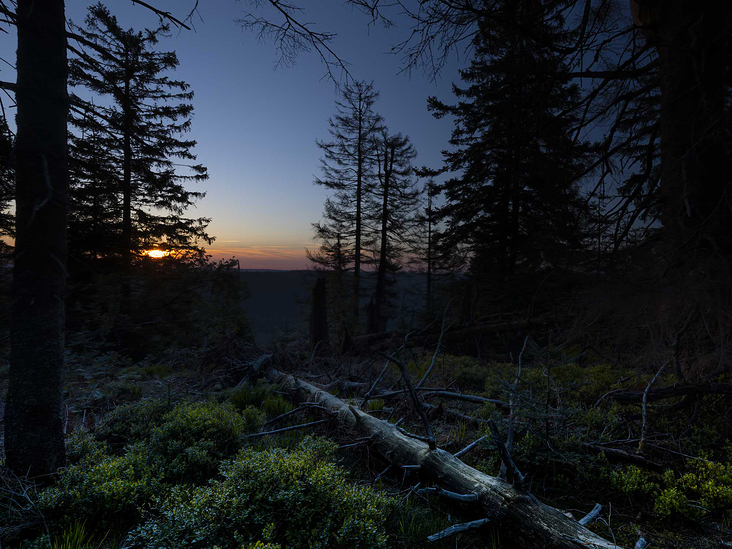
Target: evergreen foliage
391,213
127,192
515,203
347,169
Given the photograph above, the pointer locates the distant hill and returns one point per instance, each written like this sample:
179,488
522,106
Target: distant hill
279,302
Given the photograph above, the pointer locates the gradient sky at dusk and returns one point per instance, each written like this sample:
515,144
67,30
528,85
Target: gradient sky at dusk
256,127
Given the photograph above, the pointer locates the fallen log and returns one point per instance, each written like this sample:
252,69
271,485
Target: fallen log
529,523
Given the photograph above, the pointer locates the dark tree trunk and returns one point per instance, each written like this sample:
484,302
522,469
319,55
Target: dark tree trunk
359,229
34,441
377,323
430,259
690,39
127,171
319,315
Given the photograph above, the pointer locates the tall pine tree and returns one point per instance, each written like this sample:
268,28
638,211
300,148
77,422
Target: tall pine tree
391,214
348,169
515,202
126,150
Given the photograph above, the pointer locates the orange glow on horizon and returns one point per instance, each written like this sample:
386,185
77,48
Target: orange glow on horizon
156,254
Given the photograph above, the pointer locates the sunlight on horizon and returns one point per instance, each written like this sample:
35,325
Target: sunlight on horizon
156,254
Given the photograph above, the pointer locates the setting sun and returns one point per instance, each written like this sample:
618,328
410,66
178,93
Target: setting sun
156,254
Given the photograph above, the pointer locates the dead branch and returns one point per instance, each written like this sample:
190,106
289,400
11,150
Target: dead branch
644,424
290,428
675,390
592,515
469,447
457,528
529,523
622,455
513,475
437,491
417,405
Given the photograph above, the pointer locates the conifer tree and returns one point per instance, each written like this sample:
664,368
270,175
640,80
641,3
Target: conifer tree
425,253
515,201
348,169
125,150
391,212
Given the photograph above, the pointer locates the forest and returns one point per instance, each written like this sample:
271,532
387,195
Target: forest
519,342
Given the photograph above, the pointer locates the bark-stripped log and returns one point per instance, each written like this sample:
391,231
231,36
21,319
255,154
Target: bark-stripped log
529,523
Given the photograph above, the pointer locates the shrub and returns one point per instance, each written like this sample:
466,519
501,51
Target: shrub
106,493
194,437
131,423
632,481
296,498
706,488
83,449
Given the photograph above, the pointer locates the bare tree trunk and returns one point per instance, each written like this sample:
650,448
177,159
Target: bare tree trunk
529,523
34,442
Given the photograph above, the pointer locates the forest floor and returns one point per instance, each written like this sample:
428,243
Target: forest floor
666,478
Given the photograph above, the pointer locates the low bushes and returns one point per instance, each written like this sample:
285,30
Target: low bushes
297,498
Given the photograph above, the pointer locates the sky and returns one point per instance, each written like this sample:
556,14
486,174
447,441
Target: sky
256,125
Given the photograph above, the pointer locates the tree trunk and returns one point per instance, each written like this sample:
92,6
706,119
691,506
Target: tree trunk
377,325
34,441
319,315
127,171
690,39
359,208
527,522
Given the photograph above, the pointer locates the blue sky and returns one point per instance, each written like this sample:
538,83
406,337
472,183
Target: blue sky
256,126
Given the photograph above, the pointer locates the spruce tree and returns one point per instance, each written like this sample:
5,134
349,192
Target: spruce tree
348,169
127,148
391,213
515,202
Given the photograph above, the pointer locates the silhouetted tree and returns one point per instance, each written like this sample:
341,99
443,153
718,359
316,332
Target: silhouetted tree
391,211
138,137
34,440
426,253
516,199
600,43
348,169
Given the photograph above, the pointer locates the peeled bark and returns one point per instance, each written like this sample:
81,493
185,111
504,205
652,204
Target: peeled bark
528,523
34,443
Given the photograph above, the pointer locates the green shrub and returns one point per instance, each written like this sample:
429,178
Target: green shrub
632,481
296,498
107,493
82,448
131,423
194,437
706,488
